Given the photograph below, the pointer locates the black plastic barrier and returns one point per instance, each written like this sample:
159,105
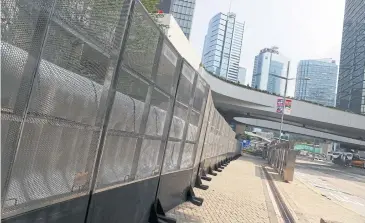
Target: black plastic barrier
102,119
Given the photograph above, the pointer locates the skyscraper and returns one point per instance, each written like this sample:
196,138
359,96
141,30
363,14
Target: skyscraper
321,86
269,71
222,46
182,11
351,79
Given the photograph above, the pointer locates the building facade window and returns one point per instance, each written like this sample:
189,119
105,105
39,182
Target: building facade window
352,66
321,86
226,36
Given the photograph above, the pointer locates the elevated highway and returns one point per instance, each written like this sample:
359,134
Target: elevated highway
239,101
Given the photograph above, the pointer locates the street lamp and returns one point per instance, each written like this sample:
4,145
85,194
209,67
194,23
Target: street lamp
285,89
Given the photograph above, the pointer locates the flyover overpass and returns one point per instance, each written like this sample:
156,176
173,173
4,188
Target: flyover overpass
347,142
238,101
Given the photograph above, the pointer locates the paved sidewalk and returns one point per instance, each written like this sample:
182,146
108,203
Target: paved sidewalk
237,194
308,205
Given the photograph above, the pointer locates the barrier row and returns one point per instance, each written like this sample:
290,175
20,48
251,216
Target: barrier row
101,117
281,157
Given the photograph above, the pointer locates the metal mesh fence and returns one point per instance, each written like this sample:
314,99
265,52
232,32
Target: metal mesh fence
22,33
220,138
64,56
140,102
95,93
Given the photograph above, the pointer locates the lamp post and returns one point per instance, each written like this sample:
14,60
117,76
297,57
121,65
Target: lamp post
285,89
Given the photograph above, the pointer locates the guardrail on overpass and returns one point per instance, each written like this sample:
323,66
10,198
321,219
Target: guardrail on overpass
101,117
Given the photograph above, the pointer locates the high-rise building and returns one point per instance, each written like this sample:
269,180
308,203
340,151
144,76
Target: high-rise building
242,75
316,81
351,79
222,46
269,71
182,11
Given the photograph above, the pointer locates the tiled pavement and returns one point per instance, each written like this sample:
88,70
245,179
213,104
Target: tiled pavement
240,194
237,194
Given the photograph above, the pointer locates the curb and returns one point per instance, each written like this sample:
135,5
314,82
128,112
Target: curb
284,200
291,209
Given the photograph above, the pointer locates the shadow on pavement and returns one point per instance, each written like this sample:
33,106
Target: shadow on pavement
274,175
259,162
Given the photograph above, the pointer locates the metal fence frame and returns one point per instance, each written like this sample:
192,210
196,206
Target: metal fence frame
213,140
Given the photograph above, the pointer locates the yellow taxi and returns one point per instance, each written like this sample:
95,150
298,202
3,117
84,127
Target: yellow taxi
357,161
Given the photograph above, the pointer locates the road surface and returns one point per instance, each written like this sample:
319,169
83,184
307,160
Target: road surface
343,185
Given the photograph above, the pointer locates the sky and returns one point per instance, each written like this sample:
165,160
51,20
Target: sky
302,29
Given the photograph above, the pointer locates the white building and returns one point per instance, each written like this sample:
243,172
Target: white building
179,40
270,70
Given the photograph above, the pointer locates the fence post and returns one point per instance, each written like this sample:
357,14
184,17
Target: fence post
186,127
146,109
109,95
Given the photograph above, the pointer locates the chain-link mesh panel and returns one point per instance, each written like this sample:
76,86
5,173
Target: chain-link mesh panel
166,68
200,94
129,102
96,23
171,156
203,131
178,120
20,20
142,43
61,132
194,119
125,118
186,84
157,114
147,164
187,156
23,28
13,61
117,160
62,95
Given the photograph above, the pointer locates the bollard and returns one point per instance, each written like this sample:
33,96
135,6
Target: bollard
288,169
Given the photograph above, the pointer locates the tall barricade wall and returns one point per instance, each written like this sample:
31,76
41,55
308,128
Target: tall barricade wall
100,115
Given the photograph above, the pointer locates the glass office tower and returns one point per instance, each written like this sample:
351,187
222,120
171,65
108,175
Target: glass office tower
269,71
222,46
182,11
321,86
351,79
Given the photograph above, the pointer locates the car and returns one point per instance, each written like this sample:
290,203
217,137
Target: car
358,161
318,159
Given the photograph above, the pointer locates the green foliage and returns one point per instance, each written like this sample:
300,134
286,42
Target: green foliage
150,5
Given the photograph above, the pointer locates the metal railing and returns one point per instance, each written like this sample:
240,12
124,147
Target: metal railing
282,157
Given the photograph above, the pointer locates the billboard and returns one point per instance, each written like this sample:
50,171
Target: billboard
280,106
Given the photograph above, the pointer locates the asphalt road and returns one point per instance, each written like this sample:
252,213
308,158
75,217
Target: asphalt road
343,185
